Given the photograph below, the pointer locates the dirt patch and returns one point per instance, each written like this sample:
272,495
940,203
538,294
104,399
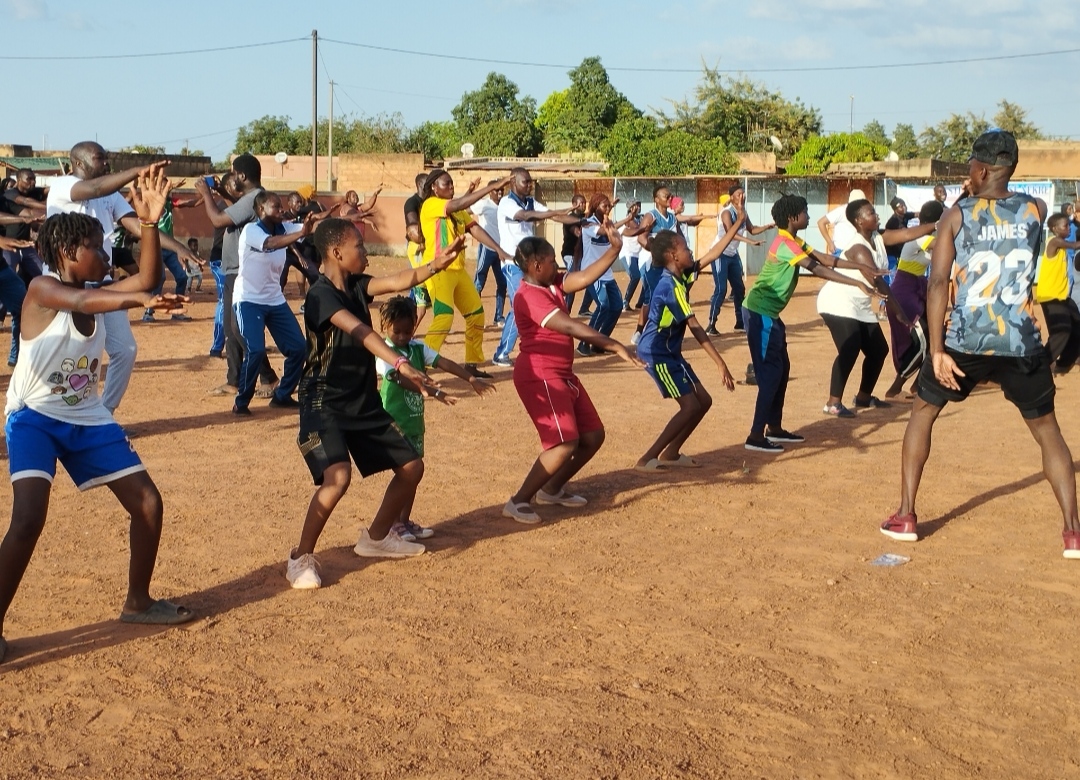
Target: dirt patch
723,622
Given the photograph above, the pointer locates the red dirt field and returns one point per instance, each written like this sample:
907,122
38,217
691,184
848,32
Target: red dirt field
723,622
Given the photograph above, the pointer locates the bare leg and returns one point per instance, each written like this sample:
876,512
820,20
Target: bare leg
692,409
544,470
916,452
1057,466
588,445
336,481
402,489
139,496
29,508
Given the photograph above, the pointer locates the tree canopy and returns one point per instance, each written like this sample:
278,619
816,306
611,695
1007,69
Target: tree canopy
818,153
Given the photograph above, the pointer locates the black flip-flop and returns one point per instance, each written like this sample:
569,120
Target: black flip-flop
160,613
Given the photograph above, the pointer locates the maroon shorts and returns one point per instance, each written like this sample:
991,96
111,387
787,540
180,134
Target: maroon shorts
560,409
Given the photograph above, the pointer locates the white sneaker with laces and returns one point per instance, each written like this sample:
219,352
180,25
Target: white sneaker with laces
635,338
302,572
562,498
523,513
393,546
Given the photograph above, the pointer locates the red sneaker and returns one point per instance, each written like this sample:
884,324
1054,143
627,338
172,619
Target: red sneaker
1072,544
902,528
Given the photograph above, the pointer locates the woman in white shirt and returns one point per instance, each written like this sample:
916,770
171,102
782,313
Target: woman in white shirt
848,313
260,304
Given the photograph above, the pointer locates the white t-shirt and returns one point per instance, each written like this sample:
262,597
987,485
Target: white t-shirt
843,300
259,277
593,245
631,249
510,230
108,210
843,231
486,212
732,249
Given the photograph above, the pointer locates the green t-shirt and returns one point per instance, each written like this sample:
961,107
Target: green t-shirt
779,276
165,224
407,406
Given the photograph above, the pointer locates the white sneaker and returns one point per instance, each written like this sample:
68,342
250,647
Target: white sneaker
302,573
393,546
523,513
635,338
562,498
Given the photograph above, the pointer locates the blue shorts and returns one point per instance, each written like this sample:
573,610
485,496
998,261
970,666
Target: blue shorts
92,454
675,378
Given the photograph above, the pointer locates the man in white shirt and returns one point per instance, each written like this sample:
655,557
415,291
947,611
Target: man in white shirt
518,214
486,212
91,189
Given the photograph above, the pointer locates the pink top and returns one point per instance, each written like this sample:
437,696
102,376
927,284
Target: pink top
545,354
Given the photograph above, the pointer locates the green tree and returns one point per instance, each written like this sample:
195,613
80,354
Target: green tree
818,153
556,104
270,135
905,143
436,140
186,152
875,131
496,121
951,139
580,118
744,114
1013,118
637,147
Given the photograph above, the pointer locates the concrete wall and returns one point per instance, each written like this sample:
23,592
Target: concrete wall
1048,160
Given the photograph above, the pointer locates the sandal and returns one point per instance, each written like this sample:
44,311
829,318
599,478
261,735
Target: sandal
652,466
160,613
682,462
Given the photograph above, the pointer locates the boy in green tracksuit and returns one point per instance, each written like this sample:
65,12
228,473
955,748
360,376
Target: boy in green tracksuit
401,397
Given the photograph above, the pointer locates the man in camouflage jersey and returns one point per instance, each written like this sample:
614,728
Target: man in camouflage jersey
987,248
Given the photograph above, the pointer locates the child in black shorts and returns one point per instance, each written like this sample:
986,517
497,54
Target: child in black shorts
341,414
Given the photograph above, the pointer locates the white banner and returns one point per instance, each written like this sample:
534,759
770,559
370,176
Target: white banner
916,195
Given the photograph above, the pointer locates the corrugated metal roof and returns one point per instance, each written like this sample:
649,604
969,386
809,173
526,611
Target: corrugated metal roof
35,163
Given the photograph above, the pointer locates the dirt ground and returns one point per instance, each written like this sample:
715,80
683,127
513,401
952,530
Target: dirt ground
723,622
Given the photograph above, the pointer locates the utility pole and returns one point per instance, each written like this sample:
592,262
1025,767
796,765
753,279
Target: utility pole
315,109
330,144
851,119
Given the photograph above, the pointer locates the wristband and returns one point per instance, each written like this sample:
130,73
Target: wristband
400,362
148,224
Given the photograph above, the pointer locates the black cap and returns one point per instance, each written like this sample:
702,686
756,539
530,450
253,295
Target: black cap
896,202
995,147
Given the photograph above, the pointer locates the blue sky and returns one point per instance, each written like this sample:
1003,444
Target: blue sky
203,98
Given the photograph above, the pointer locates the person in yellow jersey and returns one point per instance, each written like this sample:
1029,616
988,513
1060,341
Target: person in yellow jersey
443,218
1052,294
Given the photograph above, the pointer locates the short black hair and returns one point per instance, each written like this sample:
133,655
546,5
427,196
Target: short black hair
24,173
657,188
1056,219
397,308
931,211
663,242
249,166
528,248
330,233
420,178
734,188
853,209
61,234
787,208
261,198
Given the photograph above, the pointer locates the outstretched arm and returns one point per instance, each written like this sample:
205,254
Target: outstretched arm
112,182
373,343
579,280
476,195
561,322
411,277
722,243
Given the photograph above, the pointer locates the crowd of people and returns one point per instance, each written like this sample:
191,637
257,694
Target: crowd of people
959,287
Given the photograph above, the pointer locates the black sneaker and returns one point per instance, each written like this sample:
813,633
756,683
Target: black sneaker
584,350
712,331
288,402
783,437
873,403
476,372
762,445
241,411
739,326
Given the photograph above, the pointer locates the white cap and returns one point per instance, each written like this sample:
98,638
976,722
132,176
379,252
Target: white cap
855,195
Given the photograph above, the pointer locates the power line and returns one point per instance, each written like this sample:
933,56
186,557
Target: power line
400,94
810,69
156,53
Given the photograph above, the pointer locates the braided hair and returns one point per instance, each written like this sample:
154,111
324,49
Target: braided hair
397,308
787,208
62,234
529,248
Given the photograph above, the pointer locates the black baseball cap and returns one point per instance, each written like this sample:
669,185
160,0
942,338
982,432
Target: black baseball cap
995,147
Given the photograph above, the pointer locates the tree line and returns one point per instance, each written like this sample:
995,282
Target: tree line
592,118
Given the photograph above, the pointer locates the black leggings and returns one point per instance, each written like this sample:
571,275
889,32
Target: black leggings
1063,324
852,337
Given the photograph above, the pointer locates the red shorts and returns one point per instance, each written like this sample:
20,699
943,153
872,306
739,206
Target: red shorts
560,409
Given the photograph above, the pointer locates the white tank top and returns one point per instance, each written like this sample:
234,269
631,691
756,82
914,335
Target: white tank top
57,373
843,300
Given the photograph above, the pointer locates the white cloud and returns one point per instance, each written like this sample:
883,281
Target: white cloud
27,10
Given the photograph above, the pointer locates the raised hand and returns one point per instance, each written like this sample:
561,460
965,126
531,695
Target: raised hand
612,233
149,191
474,184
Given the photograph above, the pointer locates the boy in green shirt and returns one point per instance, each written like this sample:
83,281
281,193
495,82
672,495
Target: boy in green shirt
765,330
401,398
